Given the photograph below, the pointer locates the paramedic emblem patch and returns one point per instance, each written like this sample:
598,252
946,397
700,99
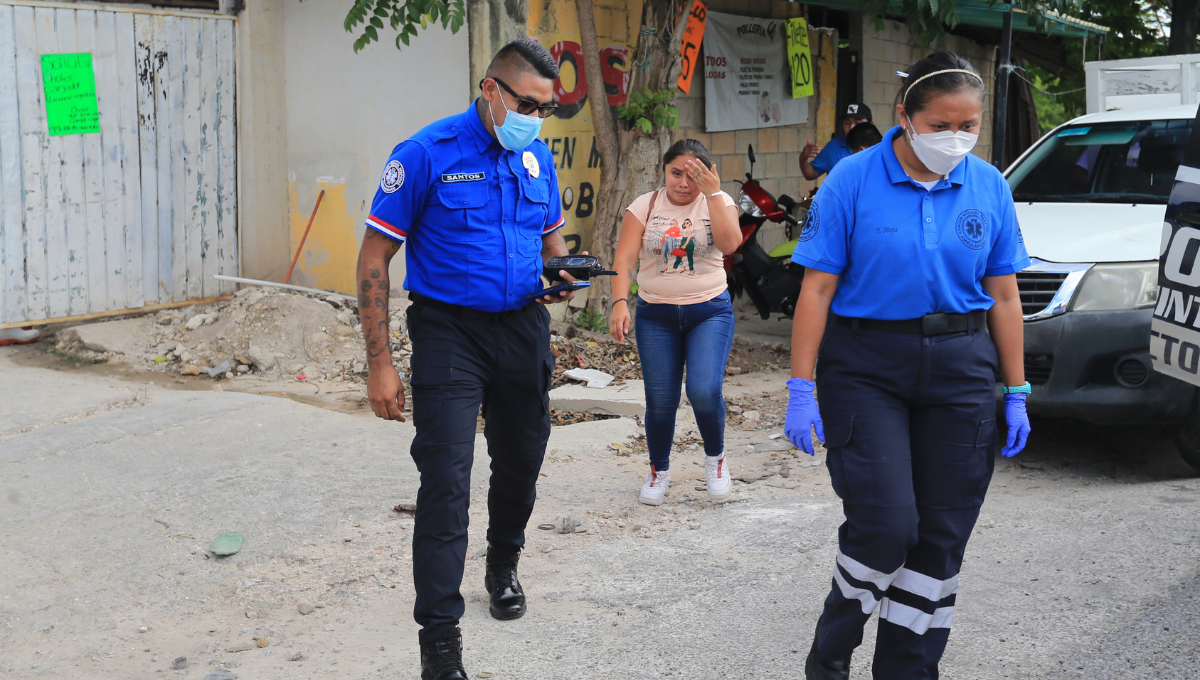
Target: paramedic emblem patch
972,228
393,177
811,223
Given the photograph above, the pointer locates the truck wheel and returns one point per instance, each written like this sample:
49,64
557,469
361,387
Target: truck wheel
1187,436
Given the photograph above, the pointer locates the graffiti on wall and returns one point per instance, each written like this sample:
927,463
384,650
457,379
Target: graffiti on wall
570,134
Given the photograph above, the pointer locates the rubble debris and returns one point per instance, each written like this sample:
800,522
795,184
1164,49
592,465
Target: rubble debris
219,370
272,332
567,525
593,378
628,399
180,663
226,544
558,417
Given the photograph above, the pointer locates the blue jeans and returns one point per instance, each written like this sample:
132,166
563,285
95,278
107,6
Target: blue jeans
668,336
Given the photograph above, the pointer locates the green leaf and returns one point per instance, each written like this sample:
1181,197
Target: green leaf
371,33
376,22
644,125
404,37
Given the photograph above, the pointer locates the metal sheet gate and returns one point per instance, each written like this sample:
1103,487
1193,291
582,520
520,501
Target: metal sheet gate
141,214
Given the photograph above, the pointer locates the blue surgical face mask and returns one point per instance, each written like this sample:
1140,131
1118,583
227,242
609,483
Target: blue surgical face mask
519,129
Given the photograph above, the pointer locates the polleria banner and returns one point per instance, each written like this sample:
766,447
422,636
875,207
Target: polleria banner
747,83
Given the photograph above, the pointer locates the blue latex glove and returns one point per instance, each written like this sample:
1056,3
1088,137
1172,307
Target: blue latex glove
1018,424
802,415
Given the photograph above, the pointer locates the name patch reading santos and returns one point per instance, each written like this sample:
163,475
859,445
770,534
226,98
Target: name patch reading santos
453,177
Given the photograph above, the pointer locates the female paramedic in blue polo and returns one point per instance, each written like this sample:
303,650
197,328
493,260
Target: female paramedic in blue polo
913,246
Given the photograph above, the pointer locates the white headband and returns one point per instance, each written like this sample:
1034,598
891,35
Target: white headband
936,73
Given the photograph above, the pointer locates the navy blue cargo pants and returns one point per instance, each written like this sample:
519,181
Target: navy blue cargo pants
502,362
910,425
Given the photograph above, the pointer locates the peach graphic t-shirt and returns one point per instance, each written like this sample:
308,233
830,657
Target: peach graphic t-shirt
680,264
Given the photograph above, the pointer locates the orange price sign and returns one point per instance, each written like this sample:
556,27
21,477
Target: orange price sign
693,36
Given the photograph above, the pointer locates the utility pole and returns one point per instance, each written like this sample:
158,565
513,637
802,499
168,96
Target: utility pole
1000,131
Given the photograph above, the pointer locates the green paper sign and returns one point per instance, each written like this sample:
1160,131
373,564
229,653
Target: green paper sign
799,58
70,83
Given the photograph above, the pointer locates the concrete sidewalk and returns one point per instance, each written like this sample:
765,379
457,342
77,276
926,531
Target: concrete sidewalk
113,491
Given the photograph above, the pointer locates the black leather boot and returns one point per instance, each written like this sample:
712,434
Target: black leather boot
442,659
500,582
817,668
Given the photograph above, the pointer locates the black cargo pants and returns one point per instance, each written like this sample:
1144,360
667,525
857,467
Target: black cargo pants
461,360
910,424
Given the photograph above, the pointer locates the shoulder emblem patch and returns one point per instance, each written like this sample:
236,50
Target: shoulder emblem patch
393,177
811,223
972,228
531,163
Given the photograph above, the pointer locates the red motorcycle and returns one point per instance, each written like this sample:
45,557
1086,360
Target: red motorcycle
770,279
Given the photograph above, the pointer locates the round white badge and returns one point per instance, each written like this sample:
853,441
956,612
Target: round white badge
393,177
531,164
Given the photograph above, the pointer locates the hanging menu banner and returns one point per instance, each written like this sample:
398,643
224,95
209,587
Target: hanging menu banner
747,84
70,85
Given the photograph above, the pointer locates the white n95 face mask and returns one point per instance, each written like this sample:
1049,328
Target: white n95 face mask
942,151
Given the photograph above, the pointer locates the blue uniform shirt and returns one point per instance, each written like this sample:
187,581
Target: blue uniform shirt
834,152
903,252
473,213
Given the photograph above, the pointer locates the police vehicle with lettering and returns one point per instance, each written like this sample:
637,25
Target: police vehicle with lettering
1091,196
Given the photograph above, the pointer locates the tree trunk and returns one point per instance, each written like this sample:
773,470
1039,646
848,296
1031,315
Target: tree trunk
1183,26
634,167
603,244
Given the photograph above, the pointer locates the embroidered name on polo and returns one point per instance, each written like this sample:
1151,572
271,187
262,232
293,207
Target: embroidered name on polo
451,178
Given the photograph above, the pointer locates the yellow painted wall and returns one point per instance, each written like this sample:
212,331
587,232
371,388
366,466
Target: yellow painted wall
569,134
331,249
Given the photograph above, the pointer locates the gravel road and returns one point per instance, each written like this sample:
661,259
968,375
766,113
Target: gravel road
1084,562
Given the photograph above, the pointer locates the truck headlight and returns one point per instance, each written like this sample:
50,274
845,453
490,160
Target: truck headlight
1106,287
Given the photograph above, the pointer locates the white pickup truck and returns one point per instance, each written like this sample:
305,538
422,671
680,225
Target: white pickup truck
1091,198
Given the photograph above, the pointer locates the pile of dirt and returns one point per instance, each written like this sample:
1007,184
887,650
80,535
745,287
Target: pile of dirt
577,348
284,335
278,334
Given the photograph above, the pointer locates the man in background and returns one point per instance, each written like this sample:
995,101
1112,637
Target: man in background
862,137
815,161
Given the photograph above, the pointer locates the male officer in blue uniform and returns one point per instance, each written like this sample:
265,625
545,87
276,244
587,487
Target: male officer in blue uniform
815,161
476,199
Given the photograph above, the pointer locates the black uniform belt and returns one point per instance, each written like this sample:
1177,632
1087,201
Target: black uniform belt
930,324
465,312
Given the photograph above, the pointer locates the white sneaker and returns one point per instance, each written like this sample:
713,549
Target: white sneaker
655,487
720,485
19,336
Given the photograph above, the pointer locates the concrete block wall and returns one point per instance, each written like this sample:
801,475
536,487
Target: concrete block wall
894,49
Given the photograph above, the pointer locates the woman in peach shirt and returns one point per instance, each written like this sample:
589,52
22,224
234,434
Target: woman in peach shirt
684,314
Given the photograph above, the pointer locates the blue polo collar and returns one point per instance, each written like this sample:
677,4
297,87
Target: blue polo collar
475,128
896,171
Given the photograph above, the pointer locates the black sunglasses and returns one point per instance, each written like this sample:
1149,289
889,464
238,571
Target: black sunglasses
526,106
